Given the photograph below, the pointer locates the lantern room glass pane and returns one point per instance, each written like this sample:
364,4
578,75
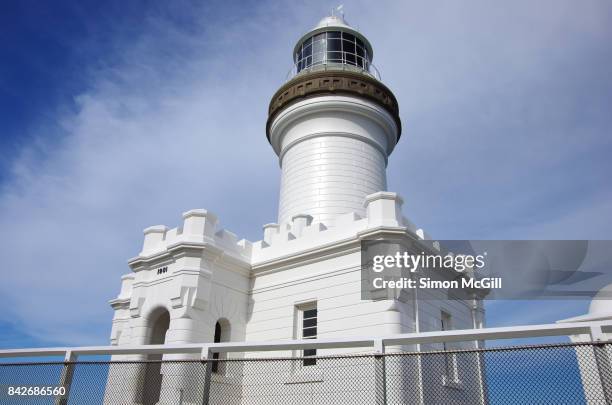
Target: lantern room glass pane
334,57
332,47
361,59
307,51
350,58
348,37
318,49
360,51
334,51
348,46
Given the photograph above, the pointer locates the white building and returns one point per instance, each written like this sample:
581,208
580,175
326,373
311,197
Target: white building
600,310
333,126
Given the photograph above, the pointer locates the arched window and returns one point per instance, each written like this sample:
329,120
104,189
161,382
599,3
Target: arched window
217,339
222,334
158,323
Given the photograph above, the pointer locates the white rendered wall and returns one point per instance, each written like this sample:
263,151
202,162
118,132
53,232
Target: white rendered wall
256,288
599,310
206,280
328,176
333,152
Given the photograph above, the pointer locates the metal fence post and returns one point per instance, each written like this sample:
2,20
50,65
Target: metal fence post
66,378
380,377
602,362
206,357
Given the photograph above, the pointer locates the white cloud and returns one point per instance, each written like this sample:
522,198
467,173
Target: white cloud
177,122
152,138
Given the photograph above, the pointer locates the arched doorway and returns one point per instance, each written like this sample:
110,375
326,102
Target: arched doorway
160,322
222,334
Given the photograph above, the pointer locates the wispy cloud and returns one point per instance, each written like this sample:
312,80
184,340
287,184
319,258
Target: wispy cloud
503,110
177,124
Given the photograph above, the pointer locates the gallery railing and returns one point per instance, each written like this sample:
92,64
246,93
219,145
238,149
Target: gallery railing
398,369
321,61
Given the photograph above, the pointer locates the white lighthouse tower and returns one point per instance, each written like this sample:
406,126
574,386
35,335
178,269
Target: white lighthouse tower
333,126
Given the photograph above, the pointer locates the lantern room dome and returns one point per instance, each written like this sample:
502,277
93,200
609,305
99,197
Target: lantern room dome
332,21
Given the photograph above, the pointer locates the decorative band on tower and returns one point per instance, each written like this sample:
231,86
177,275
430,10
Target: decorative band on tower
333,82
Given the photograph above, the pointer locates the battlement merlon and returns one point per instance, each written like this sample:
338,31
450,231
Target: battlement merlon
200,227
383,212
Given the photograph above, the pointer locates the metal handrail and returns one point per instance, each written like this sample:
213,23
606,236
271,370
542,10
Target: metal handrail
320,62
595,331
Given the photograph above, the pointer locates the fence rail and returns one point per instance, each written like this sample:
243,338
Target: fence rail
594,330
570,373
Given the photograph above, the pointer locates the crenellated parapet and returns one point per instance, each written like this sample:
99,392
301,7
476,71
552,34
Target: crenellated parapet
200,231
199,227
303,234
186,268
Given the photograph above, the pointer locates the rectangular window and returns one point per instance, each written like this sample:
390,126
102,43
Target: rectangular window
307,329
445,320
451,374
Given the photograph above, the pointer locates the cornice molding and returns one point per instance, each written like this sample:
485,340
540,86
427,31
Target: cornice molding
182,249
328,250
118,303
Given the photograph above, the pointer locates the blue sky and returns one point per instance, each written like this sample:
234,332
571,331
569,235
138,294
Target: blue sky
119,115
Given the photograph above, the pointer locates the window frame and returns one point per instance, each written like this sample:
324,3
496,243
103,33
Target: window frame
347,49
300,329
451,369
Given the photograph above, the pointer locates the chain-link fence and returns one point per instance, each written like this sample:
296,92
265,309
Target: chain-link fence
545,374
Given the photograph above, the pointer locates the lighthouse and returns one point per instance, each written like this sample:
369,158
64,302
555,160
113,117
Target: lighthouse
333,125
